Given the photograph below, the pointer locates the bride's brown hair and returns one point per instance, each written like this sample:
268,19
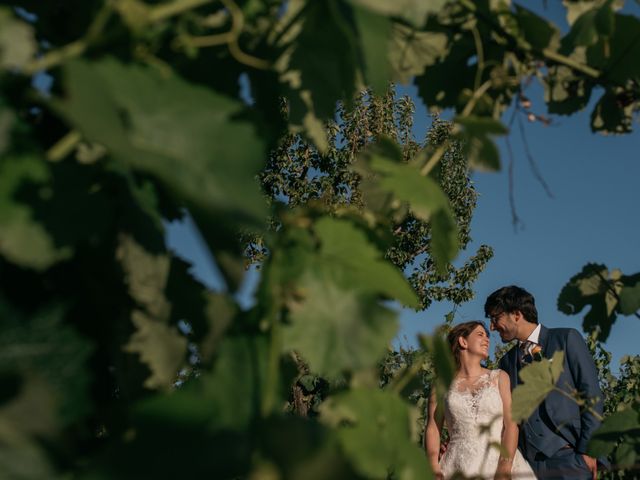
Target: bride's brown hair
461,330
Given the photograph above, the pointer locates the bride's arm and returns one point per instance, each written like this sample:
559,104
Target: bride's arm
509,429
432,435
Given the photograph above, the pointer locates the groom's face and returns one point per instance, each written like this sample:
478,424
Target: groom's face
505,324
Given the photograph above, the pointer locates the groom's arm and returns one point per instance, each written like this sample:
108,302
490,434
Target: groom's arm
585,377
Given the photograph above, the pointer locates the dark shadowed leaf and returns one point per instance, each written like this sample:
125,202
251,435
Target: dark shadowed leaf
374,430
482,153
592,286
192,140
630,294
537,32
604,439
374,35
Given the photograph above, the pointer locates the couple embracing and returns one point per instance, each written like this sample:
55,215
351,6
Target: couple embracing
484,442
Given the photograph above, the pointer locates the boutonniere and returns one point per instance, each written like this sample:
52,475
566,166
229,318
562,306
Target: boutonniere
536,352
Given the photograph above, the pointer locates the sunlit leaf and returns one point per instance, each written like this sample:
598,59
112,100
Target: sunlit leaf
413,50
160,347
17,41
412,11
539,379
337,329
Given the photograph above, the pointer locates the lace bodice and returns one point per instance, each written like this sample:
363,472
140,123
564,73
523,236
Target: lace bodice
473,414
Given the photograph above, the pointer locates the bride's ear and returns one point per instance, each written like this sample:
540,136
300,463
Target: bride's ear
462,342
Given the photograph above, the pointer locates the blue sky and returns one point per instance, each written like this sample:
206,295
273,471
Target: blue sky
593,217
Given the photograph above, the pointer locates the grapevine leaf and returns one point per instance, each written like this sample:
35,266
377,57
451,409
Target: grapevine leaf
539,379
160,347
614,426
374,430
190,140
337,330
537,32
611,116
226,398
425,199
590,287
23,239
412,51
17,41
374,35
630,294
353,262
413,11
325,55
480,149
51,357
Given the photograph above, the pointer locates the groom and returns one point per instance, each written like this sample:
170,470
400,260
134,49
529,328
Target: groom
554,439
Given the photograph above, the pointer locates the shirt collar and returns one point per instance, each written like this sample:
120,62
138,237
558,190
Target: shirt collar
535,335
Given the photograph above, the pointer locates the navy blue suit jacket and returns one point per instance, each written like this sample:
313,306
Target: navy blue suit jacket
579,373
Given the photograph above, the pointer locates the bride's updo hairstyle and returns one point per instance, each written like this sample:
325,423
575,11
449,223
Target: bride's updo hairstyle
462,330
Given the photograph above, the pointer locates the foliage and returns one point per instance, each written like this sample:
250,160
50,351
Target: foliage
609,293
145,120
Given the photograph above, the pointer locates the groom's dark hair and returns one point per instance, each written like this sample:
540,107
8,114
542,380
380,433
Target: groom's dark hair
508,300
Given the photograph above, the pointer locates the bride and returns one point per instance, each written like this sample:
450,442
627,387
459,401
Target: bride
477,410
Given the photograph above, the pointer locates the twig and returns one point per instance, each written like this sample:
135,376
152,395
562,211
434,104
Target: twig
515,220
64,146
532,162
230,38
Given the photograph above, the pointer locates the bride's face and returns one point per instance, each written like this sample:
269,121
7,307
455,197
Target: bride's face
478,342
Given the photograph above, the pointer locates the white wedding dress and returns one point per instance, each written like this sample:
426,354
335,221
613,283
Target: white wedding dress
473,414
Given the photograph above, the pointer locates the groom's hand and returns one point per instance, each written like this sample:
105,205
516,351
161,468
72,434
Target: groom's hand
592,465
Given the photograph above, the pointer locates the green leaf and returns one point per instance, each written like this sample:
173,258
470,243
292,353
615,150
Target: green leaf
565,92
23,239
425,199
630,294
539,379
481,151
324,57
537,32
52,358
624,47
160,347
626,454
614,426
302,449
374,430
17,41
353,262
225,398
583,32
413,11
441,85
412,51
192,140
375,36
337,329
591,287
611,115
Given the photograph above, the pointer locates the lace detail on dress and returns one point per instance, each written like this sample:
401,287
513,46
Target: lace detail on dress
473,413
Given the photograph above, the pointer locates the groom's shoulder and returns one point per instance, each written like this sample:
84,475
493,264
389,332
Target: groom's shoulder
565,333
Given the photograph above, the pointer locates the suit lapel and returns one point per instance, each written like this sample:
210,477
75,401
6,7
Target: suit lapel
543,339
